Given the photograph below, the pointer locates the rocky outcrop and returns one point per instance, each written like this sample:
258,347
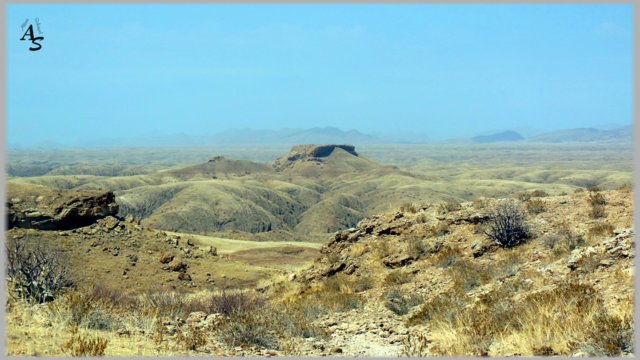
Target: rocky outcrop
310,153
58,209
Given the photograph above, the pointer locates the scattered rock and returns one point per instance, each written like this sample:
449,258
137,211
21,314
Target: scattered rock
166,258
196,317
184,276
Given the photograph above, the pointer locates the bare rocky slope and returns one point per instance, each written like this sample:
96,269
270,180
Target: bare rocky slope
427,281
423,280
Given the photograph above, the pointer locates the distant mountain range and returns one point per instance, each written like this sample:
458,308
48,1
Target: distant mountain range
624,133
620,134
316,135
328,135
502,136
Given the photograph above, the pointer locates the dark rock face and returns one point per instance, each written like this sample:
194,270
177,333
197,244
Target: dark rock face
311,153
74,212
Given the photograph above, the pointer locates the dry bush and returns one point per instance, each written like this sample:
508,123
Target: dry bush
448,207
589,264
191,339
228,303
296,320
380,246
422,218
469,274
102,320
399,302
338,293
609,336
535,206
249,329
111,296
506,225
415,247
358,249
35,273
77,306
561,319
447,257
596,198
597,212
167,304
79,345
415,345
601,229
569,241
480,203
563,241
362,283
409,207
550,240
292,347
625,188
441,229
444,306
396,277
539,193
159,331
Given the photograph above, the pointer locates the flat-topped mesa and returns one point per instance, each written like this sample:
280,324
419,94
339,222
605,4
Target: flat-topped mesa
310,153
319,151
216,158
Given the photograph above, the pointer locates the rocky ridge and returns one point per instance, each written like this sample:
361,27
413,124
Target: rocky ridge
54,209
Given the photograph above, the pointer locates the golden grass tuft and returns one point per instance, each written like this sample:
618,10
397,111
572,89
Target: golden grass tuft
559,321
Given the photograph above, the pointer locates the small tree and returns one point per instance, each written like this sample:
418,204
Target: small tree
35,273
506,224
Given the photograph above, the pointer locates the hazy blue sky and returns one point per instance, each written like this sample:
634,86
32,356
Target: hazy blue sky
129,70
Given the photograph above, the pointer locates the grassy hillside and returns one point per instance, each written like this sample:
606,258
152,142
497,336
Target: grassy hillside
309,197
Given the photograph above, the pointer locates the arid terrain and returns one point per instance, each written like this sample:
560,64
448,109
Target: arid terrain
376,250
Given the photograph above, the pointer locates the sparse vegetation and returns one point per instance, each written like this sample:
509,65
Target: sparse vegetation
396,277
506,225
35,273
449,206
441,229
400,303
597,212
519,324
563,241
415,345
432,273
416,247
479,203
601,229
447,257
409,207
535,206
625,188
79,345
192,338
